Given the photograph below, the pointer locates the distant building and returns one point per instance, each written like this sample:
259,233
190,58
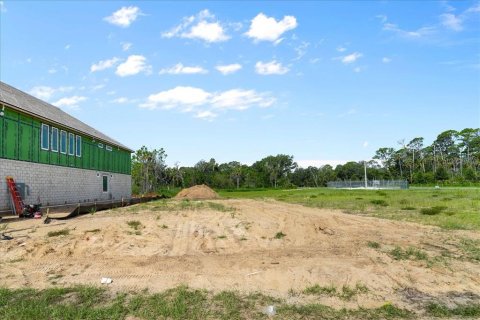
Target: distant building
56,158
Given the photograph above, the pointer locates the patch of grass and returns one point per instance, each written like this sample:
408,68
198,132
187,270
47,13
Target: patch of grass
134,224
63,232
178,303
442,311
222,237
318,290
345,293
164,226
433,210
465,203
409,254
379,202
373,244
280,235
471,248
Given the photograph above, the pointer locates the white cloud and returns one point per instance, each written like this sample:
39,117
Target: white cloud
474,8
207,115
134,65
341,49
2,7
451,21
415,34
351,58
70,102
202,27
52,70
67,46
319,163
179,68
357,69
263,28
120,100
238,99
29,60
124,16
386,60
184,97
229,68
301,50
365,144
204,104
46,92
126,46
272,67
98,87
104,64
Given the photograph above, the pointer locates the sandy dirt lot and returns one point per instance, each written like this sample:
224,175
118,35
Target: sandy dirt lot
237,248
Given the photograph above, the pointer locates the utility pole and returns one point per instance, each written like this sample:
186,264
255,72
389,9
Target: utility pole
365,169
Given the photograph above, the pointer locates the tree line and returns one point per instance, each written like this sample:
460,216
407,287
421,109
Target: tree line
454,156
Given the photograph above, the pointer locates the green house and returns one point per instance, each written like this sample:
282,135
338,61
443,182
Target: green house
56,158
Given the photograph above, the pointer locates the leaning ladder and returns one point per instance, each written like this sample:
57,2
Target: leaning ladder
15,197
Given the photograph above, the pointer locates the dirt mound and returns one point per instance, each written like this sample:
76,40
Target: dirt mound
199,192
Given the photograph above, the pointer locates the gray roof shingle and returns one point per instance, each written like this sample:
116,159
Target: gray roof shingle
29,104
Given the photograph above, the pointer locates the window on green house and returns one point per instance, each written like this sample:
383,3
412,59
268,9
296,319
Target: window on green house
45,137
63,142
79,146
105,183
54,139
71,144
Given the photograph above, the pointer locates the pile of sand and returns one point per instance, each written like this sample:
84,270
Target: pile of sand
199,192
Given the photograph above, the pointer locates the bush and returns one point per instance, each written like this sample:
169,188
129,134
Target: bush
380,202
433,210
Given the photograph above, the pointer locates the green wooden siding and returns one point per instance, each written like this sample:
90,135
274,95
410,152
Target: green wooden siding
20,140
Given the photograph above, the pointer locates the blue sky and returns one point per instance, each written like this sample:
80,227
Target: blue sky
323,81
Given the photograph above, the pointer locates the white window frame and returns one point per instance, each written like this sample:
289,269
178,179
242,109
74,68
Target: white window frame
108,148
52,146
48,136
63,133
71,149
100,145
78,145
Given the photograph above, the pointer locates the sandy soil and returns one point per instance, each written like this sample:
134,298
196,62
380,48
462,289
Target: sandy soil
216,250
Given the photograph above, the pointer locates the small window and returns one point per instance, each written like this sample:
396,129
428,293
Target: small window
63,141
78,151
108,148
54,140
105,183
45,137
100,145
71,144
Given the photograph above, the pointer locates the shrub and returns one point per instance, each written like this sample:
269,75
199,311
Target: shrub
379,202
433,210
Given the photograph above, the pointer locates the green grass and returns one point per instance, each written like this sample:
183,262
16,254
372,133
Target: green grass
57,233
345,293
408,254
373,245
442,311
433,210
471,248
134,224
83,302
406,205
280,235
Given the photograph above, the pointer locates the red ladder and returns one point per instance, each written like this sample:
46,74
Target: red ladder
17,201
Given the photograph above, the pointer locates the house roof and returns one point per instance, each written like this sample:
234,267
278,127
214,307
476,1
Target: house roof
36,107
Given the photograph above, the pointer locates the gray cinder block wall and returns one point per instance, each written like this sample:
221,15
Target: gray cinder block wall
55,185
